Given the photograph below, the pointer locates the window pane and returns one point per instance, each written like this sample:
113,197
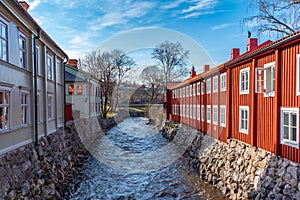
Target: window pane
1,97
286,132
293,119
294,134
286,118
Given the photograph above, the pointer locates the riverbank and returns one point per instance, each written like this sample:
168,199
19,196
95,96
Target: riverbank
42,171
241,171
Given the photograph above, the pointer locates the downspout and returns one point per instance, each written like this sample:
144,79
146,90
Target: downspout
64,90
35,88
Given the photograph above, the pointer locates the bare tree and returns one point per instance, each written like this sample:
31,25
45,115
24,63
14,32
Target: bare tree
154,81
109,68
123,64
172,59
281,17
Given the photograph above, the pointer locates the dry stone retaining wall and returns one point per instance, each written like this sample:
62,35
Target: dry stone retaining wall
241,171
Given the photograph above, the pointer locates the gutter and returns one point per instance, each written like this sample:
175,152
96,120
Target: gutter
64,90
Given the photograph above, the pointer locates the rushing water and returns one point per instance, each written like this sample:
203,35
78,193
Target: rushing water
175,180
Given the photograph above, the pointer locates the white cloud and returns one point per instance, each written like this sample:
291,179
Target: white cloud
33,4
121,15
221,26
172,4
200,5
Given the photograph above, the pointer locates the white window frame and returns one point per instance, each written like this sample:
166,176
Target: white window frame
215,83
208,114
243,129
269,68
298,74
191,91
38,59
198,112
23,63
284,141
194,112
187,91
191,111
242,71
198,88
38,102
194,89
50,106
8,106
223,113
187,111
202,113
25,107
50,66
208,85
202,87
215,114
4,39
223,82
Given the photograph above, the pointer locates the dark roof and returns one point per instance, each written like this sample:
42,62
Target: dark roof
72,78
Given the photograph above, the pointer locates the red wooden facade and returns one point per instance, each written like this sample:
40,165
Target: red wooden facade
258,103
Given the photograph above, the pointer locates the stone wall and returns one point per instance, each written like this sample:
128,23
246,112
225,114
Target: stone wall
241,171
42,171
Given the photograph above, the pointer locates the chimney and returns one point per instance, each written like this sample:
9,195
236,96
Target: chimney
73,62
206,68
235,52
24,5
193,72
251,44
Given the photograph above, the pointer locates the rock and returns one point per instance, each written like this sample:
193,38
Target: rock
239,161
281,172
12,194
288,178
292,170
25,188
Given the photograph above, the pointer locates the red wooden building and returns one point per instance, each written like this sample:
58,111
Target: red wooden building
254,97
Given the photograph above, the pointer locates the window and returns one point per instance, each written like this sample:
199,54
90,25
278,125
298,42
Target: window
187,91
198,88
78,89
223,116
194,89
38,107
208,114
202,87
244,119
215,115
289,127
194,112
24,107
50,106
223,82
4,109
37,60
70,89
198,112
22,50
186,111
265,80
50,71
298,75
215,84
244,81
191,111
183,111
208,85
3,41
202,113
191,90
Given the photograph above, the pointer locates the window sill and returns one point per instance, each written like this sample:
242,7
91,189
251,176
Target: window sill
223,125
246,92
271,94
243,131
290,144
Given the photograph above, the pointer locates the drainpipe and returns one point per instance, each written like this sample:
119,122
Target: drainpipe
35,88
65,62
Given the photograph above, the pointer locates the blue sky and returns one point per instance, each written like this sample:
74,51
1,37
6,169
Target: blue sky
79,26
